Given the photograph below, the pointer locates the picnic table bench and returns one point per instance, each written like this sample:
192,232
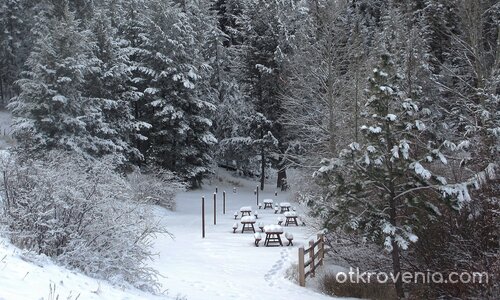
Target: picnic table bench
257,237
289,237
273,233
248,222
291,218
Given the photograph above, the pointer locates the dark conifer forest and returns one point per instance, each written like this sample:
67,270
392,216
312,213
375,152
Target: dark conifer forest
386,113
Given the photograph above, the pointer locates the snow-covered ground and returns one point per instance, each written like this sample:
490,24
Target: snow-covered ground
224,265
5,130
227,265
33,279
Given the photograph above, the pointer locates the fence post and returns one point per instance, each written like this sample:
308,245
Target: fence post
257,189
224,202
302,277
321,248
215,209
203,217
311,256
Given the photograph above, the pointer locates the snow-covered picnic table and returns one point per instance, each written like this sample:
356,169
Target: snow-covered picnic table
273,233
291,218
268,203
246,210
248,222
285,206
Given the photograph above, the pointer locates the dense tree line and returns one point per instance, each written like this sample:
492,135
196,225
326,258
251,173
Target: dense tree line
410,161
389,108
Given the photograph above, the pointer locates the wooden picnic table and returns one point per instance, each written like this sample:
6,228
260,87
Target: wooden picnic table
247,223
291,218
285,206
273,235
246,211
268,203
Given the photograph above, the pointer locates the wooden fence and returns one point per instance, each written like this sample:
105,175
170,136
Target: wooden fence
315,254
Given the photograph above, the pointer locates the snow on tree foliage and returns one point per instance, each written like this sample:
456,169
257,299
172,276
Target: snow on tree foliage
374,185
112,122
84,215
172,66
72,95
173,87
12,28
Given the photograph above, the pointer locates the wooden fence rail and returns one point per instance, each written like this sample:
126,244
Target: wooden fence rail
315,254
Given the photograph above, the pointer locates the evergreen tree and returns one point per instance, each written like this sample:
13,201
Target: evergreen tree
131,24
51,110
180,138
377,186
111,96
228,13
262,54
74,95
12,40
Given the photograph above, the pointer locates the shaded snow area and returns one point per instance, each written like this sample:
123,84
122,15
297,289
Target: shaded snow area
5,122
224,265
5,130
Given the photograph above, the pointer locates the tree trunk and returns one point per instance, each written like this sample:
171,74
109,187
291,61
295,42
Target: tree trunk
356,102
281,182
263,168
396,269
396,261
2,92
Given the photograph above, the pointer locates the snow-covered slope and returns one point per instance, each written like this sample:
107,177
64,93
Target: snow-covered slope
39,278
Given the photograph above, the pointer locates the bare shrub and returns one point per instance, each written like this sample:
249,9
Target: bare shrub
464,241
155,186
350,250
81,213
370,290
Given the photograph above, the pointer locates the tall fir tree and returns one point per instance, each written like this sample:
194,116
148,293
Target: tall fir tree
51,109
262,53
172,66
107,86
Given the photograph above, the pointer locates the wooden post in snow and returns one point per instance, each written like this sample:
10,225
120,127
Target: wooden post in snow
302,275
311,257
257,193
321,248
224,202
203,217
215,209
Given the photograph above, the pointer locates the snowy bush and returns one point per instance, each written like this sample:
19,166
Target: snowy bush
155,187
82,214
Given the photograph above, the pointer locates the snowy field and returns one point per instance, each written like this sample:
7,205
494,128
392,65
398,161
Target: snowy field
224,265
227,265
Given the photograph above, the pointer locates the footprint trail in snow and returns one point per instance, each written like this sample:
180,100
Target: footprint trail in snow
272,275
